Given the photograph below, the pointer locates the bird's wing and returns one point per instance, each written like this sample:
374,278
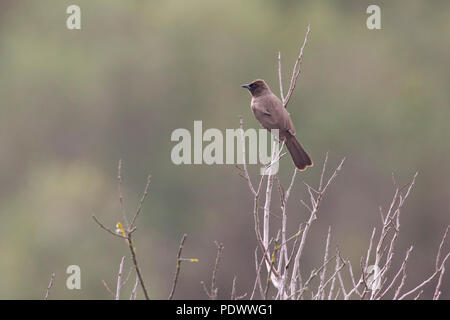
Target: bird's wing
280,115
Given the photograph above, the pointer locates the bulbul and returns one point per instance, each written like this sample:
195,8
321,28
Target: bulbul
270,112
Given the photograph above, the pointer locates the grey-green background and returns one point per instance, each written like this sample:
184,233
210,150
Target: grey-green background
75,102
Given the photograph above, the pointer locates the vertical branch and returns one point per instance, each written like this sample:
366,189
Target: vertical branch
141,202
316,197
273,274
266,219
133,293
280,78
212,293
50,285
285,197
390,223
178,267
296,70
258,275
321,290
264,240
138,271
119,279
233,289
403,270
214,289
127,233
272,262
437,291
121,200
244,160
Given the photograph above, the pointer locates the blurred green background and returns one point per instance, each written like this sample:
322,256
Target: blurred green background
75,102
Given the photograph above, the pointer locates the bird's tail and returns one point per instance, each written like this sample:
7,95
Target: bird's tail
299,156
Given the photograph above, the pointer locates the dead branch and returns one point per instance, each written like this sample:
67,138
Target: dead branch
178,267
126,233
50,285
213,291
119,278
295,71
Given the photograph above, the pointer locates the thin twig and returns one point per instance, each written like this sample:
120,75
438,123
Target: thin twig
244,160
258,275
280,78
119,278
212,293
128,276
440,268
133,293
141,201
314,207
50,285
108,289
321,289
127,233
234,295
214,289
296,70
272,262
122,206
178,267
107,229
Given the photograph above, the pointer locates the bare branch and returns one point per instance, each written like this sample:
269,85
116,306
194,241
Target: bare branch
244,160
233,289
234,296
107,229
141,201
440,268
108,289
127,233
214,289
122,206
280,78
138,271
178,267
314,207
441,245
296,70
133,293
119,279
212,293
128,276
321,288
50,285
258,275
402,269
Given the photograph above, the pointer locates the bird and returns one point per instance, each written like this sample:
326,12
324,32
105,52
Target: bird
271,114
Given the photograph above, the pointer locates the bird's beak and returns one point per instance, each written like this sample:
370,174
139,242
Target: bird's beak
246,86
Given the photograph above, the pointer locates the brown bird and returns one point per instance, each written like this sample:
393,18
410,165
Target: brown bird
270,112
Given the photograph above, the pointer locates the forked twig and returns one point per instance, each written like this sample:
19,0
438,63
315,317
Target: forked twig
126,233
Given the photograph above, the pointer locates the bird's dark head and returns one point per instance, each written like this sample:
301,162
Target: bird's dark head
257,87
